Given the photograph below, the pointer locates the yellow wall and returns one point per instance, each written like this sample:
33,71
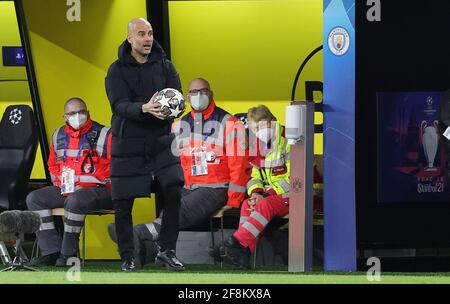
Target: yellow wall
71,59
14,87
250,51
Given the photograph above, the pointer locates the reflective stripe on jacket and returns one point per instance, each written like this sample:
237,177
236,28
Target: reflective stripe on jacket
223,135
70,148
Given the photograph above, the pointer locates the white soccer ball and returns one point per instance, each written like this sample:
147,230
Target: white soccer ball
172,102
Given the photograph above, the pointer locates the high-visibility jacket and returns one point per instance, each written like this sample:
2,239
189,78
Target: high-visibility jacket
70,148
271,173
223,134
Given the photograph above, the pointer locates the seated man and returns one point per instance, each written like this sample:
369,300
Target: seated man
212,148
79,168
268,187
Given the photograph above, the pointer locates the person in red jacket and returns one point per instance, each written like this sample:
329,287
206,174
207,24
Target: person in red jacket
79,168
213,154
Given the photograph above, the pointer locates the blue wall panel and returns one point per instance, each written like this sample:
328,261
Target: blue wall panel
339,137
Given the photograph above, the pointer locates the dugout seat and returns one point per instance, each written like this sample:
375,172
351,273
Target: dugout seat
18,145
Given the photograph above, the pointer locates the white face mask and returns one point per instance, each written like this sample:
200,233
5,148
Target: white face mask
76,121
199,102
264,135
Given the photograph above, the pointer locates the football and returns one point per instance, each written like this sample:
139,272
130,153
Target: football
172,102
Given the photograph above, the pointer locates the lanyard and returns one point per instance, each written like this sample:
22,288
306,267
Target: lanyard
81,143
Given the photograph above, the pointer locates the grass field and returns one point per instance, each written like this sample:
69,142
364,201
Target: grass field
100,272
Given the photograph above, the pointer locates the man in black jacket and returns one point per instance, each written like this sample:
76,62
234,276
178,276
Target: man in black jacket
141,141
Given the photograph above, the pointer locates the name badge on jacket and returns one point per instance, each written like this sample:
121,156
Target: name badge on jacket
67,181
279,170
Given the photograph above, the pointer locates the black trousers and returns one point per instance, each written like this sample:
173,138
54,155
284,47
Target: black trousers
82,201
171,185
196,206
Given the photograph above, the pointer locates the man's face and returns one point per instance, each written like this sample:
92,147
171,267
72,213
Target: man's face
73,108
141,37
199,86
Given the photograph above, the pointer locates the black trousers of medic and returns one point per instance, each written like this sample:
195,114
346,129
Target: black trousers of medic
76,206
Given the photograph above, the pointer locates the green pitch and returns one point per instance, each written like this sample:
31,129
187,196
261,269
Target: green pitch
108,272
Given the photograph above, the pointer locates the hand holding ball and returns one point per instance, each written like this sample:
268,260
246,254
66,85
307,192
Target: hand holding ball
166,104
172,103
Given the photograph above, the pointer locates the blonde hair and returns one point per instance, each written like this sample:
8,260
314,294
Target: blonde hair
260,113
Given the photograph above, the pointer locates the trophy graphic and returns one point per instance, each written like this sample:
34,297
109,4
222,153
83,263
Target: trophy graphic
430,142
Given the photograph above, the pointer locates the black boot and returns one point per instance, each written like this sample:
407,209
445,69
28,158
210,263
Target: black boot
62,261
234,253
139,248
168,259
45,260
128,265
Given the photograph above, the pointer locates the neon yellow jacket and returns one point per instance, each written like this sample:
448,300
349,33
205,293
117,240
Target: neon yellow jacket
271,174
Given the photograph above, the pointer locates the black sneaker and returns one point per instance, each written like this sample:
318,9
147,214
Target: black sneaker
128,265
169,259
234,253
45,260
139,248
62,261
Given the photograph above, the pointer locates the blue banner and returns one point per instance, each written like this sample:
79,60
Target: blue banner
412,159
339,135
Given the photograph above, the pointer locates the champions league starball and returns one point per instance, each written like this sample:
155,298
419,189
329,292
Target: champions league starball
172,102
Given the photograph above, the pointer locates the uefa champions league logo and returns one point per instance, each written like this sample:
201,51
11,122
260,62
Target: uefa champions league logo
15,116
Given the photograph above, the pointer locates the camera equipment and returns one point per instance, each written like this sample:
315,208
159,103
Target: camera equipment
13,225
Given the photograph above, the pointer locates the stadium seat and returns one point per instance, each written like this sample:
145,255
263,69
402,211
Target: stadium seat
18,145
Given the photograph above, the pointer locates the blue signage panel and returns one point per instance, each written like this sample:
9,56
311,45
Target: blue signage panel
13,56
339,135
411,155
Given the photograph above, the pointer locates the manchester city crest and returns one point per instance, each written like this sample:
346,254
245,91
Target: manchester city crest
339,41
